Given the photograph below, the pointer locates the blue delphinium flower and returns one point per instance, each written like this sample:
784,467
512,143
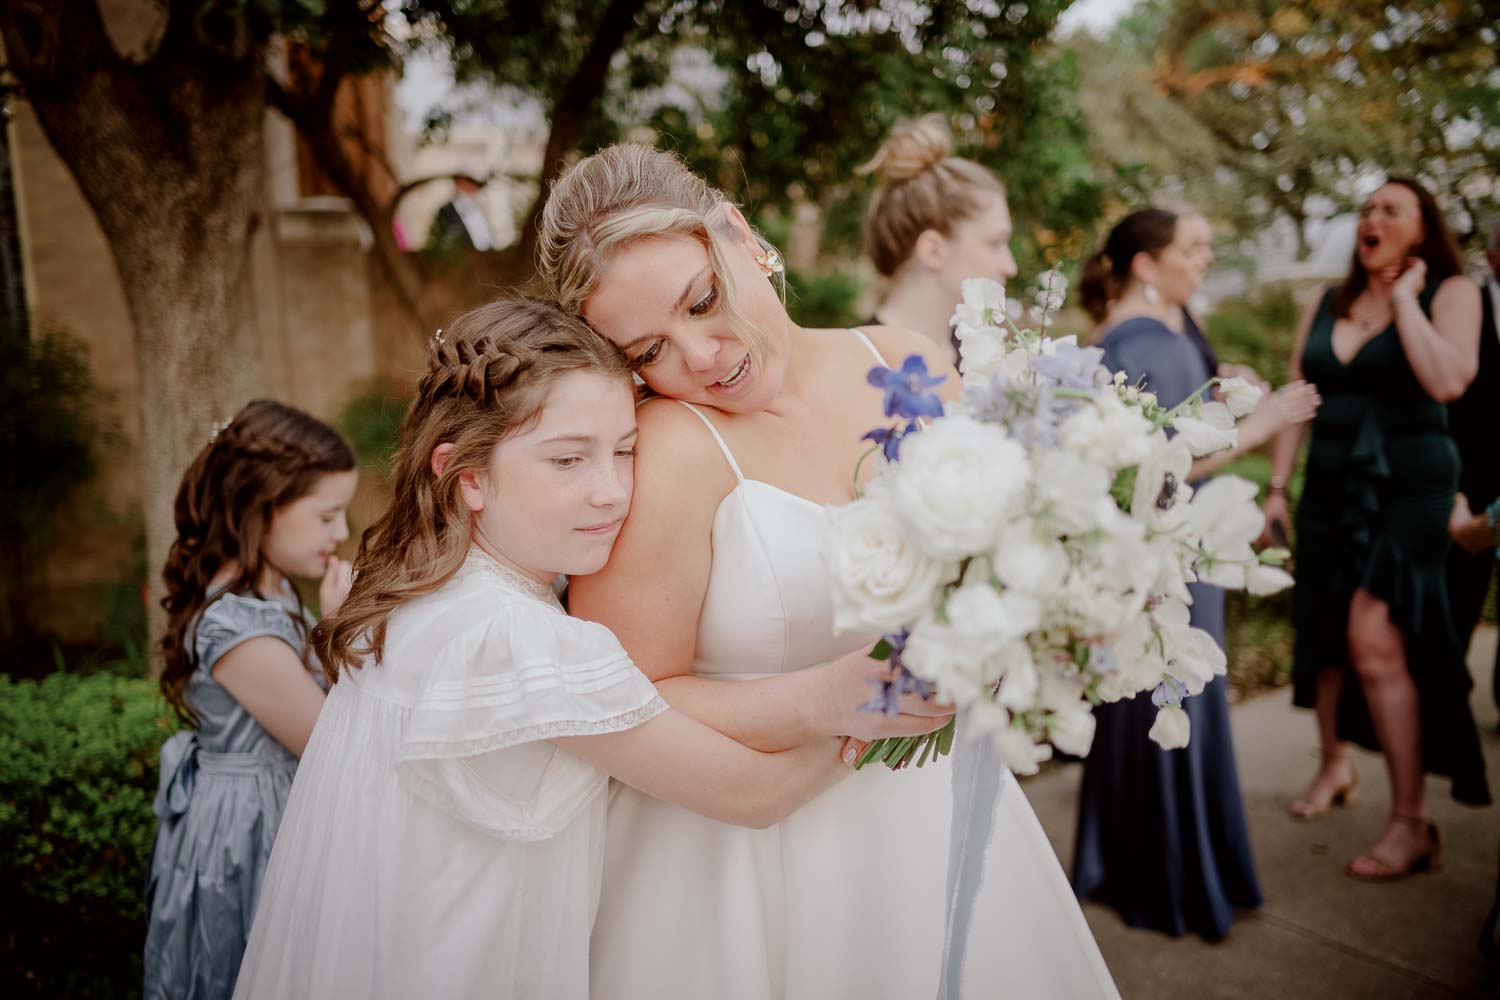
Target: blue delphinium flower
906,389
890,438
888,692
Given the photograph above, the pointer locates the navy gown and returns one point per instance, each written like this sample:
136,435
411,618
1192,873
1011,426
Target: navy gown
1161,833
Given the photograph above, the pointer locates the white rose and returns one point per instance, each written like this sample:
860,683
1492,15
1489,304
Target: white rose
881,581
1240,396
1262,580
1107,433
1211,430
1019,686
1171,729
956,483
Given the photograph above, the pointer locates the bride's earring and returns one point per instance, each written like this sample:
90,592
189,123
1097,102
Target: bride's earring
770,262
1152,295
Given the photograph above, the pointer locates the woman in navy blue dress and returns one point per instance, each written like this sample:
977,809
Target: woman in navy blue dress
1161,833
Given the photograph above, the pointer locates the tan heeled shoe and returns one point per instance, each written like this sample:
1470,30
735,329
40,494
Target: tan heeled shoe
1429,860
1304,809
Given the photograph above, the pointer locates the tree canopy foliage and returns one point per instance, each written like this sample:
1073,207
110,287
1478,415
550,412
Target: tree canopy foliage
1263,109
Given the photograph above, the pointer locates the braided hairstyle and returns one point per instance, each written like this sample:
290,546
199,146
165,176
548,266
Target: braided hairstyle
487,378
270,455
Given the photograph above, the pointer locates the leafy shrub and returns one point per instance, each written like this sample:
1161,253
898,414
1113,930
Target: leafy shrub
370,421
823,298
1256,330
78,770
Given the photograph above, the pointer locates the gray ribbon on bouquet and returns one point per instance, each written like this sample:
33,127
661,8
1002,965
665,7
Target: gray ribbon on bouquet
978,775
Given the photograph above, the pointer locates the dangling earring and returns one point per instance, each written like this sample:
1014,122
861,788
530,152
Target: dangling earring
1152,295
770,262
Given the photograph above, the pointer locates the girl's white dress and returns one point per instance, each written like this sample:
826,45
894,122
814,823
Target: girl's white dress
434,844
845,898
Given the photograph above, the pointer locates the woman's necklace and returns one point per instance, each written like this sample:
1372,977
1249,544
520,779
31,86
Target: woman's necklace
1369,324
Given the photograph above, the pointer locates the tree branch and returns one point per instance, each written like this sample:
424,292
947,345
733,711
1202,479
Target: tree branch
576,104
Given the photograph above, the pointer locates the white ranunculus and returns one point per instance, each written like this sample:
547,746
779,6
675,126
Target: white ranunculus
1171,729
1067,491
1211,430
1262,580
1239,395
881,581
1072,730
1107,433
984,619
956,484
1025,562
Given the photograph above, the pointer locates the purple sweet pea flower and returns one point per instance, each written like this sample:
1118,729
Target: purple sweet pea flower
1170,691
906,390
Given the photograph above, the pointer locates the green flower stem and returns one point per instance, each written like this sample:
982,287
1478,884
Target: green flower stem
898,752
860,464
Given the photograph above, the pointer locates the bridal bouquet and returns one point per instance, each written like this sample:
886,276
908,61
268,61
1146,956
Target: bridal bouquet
1026,552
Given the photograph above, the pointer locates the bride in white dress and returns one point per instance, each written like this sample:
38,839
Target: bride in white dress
717,589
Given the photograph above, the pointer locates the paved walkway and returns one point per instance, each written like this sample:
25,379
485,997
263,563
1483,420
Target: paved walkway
1320,935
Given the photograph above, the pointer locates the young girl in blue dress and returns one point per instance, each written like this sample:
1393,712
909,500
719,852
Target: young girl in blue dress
445,834
264,502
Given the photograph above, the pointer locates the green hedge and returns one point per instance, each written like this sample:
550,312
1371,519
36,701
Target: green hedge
78,768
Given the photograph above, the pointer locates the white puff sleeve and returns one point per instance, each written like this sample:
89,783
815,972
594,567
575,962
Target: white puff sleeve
527,673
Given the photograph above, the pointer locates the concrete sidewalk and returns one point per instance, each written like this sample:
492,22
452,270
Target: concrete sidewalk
1320,935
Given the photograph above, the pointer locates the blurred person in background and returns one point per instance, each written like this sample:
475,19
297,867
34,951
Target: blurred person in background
1161,833
934,220
262,503
1473,420
1376,654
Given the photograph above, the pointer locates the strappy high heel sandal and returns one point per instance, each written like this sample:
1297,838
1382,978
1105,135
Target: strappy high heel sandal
1429,860
1304,809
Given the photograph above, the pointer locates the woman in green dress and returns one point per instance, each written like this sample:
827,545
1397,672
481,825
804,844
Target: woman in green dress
1376,654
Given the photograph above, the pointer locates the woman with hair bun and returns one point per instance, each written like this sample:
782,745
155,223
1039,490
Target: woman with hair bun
1161,833
934,220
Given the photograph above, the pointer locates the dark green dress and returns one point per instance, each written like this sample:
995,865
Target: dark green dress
1382,471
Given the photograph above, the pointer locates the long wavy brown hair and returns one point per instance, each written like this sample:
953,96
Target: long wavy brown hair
487,378
270,455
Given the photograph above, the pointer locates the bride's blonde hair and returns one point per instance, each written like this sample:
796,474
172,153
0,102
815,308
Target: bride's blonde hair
921,186
631,192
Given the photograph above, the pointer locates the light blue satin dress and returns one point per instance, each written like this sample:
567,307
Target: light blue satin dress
219,802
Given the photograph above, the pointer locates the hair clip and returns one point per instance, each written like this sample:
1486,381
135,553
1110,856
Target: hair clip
219,427
439,335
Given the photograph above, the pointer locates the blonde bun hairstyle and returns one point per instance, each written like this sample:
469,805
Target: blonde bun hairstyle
920,185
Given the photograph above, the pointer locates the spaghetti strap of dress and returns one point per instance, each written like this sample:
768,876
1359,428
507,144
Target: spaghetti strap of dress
728,455
866,341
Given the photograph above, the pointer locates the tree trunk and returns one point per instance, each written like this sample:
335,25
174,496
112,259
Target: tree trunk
169,154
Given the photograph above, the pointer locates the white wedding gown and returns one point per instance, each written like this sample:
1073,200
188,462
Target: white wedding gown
846,897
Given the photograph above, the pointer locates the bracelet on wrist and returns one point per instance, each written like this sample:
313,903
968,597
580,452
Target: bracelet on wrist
1277,485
